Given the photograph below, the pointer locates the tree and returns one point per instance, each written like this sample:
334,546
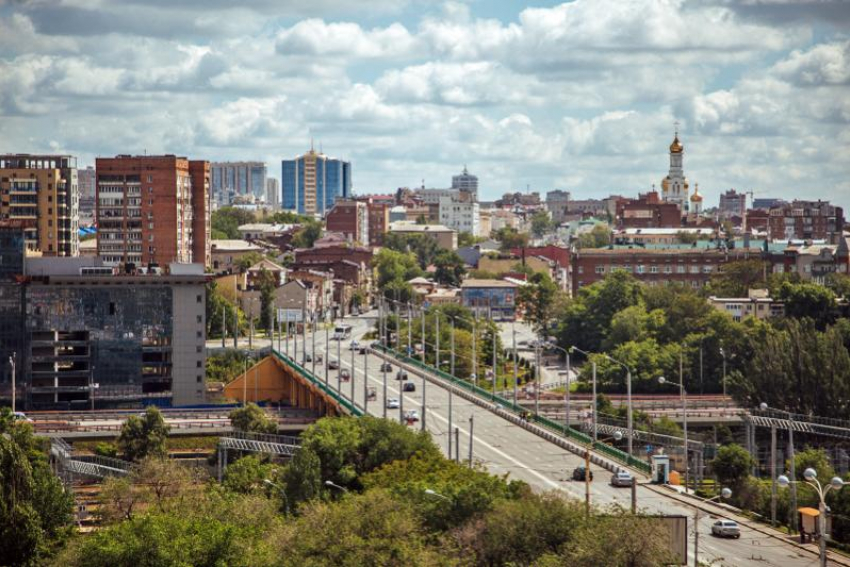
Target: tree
248,475
816,459
466,239
839,284
267,286
143,436
302,477
732,465
511,238
225,366
394,266
309,232
809,300
251,418
450,268
218,306
422,246
537,298
687,237
227,220
598,237
737,278
248,260
541,223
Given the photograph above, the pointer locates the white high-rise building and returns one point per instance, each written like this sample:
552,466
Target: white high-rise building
674,187
466,182
273,193
461,216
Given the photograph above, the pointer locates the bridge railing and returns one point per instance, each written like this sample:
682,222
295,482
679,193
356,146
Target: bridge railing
333,394
560,428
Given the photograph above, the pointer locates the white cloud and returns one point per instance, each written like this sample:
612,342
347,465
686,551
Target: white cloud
824,64
315,37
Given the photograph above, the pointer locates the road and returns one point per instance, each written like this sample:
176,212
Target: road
505,448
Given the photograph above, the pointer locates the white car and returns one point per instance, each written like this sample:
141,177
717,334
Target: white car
354,345
392,403
411,415
726,528
622,478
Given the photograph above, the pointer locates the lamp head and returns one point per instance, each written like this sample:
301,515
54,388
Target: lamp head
783,480
572,349
618,435
328,483
836,482
810,474
662,380
762,406
430,492
726,493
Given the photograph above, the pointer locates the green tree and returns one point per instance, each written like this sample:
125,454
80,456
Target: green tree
538,300
687,237
598,237
267,285
737,278
143,436
225,366
839,284
809,300
248,260
465,239
450,268
226,221
307,234
511,238
302,477
732,465
816,459
218,306
252,418
248,475
541,224
422,246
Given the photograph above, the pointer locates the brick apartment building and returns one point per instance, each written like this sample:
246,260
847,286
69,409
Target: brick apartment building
153,210
351,218
379,221
648,211
690,266
806,220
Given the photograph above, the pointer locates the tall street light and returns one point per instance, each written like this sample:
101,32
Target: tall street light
282,493
684,395
790,417
567,389
593,404
629,417
618,435
811,476
726,494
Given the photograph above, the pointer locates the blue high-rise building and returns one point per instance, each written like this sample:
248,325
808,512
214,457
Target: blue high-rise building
312,182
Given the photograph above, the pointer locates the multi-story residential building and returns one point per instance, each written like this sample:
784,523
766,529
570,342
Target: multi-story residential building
445,237
658,266
806,220
813,262
230,179
87,184
648,211
273,193
766,203
733,205
757,304
312,182
42,191
226,254
460,215
379,220
350,218
491,299
466,182
153,210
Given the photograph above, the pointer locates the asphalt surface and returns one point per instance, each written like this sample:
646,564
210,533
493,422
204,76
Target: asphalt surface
505,448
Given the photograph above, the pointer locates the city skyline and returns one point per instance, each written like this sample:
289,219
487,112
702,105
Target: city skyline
550,96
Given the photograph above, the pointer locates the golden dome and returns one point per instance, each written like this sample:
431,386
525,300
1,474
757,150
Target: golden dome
696,197
676,147
665,184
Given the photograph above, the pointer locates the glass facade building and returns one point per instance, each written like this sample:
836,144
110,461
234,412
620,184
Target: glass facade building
231,179
311,183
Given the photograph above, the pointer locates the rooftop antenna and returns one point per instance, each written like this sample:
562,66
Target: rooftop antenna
320,148
311,143
676,128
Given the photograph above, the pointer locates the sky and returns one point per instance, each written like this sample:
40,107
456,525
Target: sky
582,95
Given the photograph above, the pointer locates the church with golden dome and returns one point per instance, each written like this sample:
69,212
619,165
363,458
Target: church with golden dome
674,187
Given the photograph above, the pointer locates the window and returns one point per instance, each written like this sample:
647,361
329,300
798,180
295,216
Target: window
668,269
200,319
640,269
198,348
199,378
707,269
653,269
600,269
694,269
680,269
200,335
199,298
111,308
198,364
150,178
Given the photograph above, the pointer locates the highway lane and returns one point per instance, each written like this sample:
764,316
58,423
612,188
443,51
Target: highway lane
505,448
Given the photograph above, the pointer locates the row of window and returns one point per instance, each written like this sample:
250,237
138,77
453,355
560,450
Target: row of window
654,269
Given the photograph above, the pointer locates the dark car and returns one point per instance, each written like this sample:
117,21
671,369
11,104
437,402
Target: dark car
308,358
386,367
333,364
401,375
408,387
362,350
579,472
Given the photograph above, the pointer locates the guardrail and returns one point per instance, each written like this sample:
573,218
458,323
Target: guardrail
559,428
349,406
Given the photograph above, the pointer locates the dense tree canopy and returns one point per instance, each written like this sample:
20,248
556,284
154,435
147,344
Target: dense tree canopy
227,220
143,436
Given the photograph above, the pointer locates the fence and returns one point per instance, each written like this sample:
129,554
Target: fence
339,399
559,428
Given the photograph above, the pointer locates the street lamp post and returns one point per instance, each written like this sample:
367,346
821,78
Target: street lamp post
593,401
282,493
618,435
14,391
789,416
723,354
684,395
516,371
567,403
430,492
629,417
331,484
811,477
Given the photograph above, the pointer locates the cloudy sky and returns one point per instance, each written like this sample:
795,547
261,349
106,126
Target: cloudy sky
580,95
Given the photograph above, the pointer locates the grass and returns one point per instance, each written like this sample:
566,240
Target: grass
194,443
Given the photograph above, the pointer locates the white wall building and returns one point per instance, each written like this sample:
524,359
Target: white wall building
460,216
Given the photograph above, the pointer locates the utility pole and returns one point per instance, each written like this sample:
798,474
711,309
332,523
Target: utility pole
471,439
12,360
773,476
223,326
593,402
516,371
793,510
536,379
495,366
567,394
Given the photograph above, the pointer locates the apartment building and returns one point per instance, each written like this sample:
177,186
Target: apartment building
153,210
41,191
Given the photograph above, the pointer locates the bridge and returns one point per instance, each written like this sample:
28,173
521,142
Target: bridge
67,465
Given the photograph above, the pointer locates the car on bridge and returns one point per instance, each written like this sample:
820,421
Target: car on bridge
408,387
362,350
401,375
411,416
726,528
386,367
392,403
344,375
622,478
333,365
579,472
